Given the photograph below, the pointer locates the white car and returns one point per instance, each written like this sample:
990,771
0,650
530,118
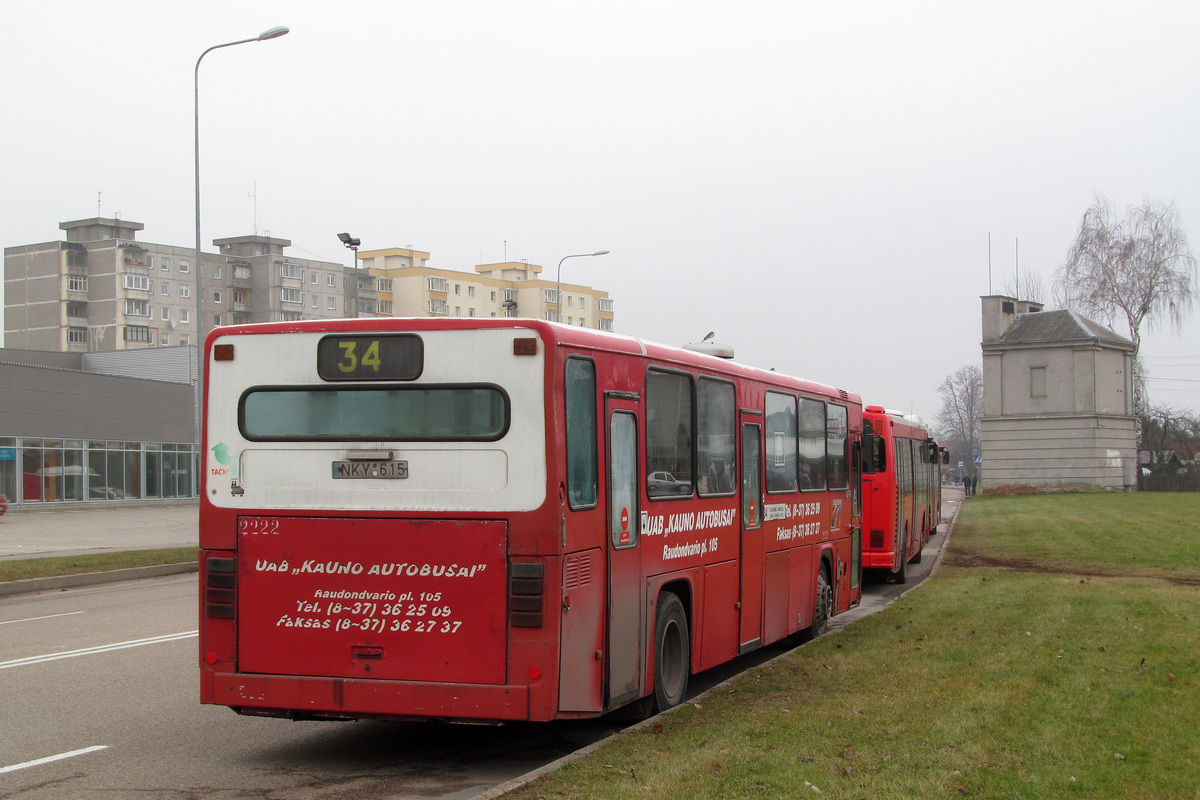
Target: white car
660,483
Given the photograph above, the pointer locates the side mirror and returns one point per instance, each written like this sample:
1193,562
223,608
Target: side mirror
878,453
945,456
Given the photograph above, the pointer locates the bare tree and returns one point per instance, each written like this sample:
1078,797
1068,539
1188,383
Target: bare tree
1136,268
1029,286
1167,429
962,409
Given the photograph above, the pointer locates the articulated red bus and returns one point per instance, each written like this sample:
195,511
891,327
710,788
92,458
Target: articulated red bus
903,496
507,519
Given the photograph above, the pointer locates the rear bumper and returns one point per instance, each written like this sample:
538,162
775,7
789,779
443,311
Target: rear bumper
351,698
879,560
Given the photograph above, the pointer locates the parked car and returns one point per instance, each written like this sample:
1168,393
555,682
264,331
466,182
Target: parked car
660,483
69,479
3,504
97,492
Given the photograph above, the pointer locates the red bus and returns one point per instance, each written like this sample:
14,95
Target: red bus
507,519
903,496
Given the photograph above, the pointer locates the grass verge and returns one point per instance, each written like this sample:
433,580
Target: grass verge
21,569
994,680
1135,535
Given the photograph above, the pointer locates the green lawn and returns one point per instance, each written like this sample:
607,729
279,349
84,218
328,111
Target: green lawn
1072,671
20,569
1146,534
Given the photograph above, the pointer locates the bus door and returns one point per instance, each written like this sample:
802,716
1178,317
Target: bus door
856,518
626,595
751,535
903,503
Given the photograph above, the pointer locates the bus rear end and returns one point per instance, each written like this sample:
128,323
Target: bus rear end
371,498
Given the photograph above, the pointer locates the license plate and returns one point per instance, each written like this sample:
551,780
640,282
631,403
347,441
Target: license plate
370,469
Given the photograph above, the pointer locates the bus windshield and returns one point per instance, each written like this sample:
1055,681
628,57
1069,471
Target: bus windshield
424,413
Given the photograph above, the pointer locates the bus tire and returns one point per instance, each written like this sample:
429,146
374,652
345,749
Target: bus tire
901,575
917,558
672,652
824,608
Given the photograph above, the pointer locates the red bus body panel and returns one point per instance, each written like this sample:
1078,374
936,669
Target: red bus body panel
438,615
400,613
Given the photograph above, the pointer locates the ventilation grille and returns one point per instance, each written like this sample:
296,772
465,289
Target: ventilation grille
578,570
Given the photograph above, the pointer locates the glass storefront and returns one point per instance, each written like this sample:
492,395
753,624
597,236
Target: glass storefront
73,470
8,466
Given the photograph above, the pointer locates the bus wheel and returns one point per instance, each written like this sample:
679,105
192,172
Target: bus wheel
824,604
672,652
902,575
917,558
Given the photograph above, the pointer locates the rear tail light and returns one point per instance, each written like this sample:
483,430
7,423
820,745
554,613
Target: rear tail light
876,539
220,587
526,587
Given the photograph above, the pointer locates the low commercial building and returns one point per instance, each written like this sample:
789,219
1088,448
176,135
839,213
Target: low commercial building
101,427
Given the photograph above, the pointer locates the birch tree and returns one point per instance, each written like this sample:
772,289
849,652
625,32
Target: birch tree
1136,269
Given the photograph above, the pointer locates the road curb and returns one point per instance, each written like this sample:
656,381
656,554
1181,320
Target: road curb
60,582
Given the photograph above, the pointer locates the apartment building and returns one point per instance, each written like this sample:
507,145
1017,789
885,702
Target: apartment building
408,287
253,281
102,289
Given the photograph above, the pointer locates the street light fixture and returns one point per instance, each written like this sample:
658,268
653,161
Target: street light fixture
353,244
269,33
558,279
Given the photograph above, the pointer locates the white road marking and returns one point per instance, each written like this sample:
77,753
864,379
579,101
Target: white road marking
35,619
58,757
104,648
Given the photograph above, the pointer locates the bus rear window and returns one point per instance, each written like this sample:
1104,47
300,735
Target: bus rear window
427,413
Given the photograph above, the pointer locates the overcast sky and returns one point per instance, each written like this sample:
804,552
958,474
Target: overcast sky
815,182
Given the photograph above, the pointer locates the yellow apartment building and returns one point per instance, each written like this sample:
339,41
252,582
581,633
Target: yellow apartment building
407,287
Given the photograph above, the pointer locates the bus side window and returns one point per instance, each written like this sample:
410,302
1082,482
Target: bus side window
715,432
812,444
582,465
751,485
781,442
668,434
836,445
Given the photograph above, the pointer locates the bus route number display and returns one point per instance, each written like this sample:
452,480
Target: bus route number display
370,357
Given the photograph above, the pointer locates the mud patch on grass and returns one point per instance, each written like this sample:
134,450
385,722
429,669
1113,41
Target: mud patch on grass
959,558
1024,488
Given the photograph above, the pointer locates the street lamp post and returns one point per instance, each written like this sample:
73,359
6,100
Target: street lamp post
270,33
558,278
353,244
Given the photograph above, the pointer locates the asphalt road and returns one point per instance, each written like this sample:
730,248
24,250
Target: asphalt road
98,698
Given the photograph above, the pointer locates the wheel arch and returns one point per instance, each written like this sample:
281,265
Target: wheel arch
681,588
